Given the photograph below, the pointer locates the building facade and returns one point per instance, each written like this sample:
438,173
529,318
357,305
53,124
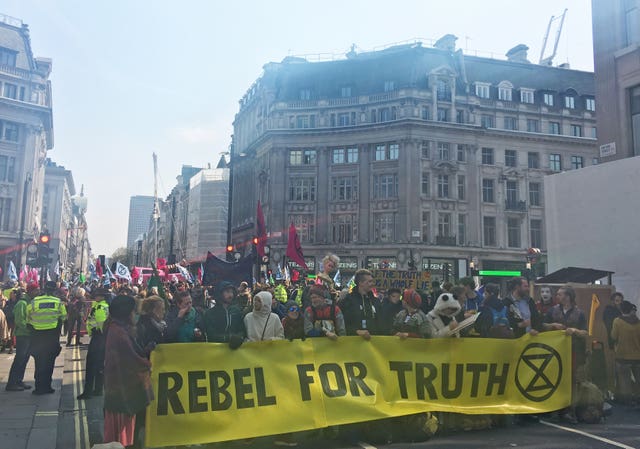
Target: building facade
140,211
207,215
26,134
57,212
616,57
409,154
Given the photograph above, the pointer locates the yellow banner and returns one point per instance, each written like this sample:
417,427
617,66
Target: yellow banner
206,392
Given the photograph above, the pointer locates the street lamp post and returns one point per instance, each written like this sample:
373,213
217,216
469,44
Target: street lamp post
27,180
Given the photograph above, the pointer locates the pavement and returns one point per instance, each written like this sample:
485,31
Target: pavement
54,421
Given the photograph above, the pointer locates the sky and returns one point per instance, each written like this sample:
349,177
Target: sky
133,77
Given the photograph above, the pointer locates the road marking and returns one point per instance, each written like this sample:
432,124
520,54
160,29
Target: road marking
588,435
75,401
364,445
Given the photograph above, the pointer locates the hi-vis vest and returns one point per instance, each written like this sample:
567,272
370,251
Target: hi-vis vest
98,315
45,312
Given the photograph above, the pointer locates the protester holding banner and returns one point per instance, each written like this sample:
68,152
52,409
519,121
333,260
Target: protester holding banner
411,321
293,323
523,312
127,374
390,307
441,320
322,318
184,323
358,307
262,324
223,323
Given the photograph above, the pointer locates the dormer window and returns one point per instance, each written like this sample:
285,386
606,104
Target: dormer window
389,86
345,91
569,102
482,90
590,104
548,99
526,96
505,91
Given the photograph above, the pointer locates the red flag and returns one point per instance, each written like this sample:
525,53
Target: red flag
161,264
294,249
98,268
261,231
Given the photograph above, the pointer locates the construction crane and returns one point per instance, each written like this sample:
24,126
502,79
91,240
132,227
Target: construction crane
549,59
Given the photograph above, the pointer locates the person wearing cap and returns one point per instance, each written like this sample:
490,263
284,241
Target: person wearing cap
323,319
94,366
411,322
45,316
23,343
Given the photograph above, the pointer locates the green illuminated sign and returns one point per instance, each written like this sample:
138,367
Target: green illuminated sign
499,273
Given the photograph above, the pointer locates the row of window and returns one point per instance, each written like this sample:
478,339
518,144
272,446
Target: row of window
344,229
8,57
9,131
505,93
7,169
12,91
5,213
510,123
443,152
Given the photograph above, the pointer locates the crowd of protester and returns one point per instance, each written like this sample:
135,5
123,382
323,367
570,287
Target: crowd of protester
140,318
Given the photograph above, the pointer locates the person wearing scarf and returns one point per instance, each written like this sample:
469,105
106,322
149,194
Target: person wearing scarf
151,327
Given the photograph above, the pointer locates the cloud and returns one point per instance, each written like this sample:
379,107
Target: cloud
194,134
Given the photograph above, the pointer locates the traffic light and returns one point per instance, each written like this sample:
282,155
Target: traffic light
32,254
255,240
229,252
44,250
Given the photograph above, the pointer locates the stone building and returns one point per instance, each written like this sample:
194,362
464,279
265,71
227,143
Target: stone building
408,153
26,134
616,57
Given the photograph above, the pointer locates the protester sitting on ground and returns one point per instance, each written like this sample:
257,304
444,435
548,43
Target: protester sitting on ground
321,318
151,327
261,324
127,375
625,333
411,322
184,323
293,323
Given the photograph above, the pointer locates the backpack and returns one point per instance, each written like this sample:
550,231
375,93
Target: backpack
500,327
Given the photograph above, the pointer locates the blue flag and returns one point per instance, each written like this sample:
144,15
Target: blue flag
13,274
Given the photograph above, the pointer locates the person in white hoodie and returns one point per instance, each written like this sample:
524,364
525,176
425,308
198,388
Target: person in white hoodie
262,324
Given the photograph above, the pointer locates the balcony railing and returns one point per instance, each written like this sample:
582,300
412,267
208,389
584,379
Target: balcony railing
446,240
520,206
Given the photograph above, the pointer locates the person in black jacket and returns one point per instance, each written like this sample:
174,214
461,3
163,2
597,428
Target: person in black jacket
390,307
358,307
151,328
223,323
523,313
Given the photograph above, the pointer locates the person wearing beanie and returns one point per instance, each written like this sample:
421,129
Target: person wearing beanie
223,322
127,374
261,324
323,319
411,322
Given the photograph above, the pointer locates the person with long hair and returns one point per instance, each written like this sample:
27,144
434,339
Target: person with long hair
127,374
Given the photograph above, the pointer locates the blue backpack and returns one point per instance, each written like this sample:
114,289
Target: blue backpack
500,327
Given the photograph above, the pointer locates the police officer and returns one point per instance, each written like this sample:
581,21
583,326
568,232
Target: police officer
94,370
44,317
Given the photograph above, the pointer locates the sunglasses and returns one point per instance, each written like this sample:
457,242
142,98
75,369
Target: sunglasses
294,309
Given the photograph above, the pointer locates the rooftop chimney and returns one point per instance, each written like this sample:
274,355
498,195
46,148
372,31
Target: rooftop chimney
518,53
446,42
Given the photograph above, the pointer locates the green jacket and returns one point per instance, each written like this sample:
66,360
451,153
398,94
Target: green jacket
20,314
